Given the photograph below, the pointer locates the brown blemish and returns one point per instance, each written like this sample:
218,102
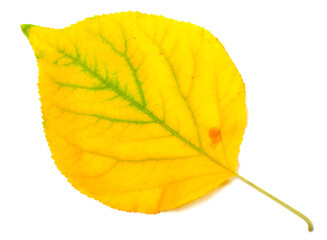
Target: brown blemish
215,136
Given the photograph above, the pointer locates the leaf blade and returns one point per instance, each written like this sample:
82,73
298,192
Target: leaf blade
146,80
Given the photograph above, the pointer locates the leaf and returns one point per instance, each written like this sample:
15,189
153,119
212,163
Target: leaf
141,112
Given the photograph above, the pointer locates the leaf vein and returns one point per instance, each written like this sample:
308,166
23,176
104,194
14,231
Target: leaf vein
103,117
129,64
144,110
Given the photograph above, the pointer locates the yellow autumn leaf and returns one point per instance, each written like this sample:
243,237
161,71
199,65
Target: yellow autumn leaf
141,112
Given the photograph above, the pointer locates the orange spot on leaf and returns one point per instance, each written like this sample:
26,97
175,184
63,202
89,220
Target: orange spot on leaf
215,136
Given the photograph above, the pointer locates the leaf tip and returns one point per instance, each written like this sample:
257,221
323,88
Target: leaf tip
26,28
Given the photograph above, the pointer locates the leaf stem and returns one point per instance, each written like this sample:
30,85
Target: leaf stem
306,219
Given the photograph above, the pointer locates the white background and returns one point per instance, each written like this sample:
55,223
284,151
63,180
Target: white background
279,47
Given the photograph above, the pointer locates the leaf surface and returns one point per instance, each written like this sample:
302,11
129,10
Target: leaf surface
141,112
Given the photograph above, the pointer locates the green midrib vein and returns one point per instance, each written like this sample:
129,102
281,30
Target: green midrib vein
145,110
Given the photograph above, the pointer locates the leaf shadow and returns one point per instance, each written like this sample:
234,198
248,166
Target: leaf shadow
202,199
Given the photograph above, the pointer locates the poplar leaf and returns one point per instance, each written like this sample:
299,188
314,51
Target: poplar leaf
141,112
